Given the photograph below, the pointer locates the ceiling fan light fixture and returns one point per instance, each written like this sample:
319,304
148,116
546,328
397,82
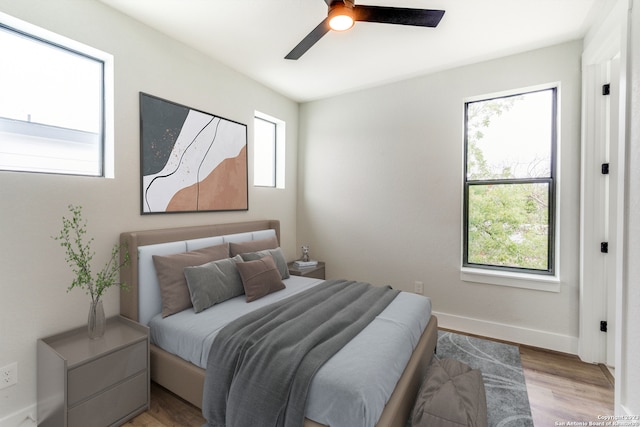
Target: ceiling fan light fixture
343,13
340,17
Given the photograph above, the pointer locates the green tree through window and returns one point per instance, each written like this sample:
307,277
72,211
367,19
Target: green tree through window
509,182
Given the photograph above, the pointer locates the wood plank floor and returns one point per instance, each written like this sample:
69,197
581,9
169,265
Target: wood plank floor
561,388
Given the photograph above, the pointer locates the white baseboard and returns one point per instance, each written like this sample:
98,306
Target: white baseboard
623,410
515,334
23,418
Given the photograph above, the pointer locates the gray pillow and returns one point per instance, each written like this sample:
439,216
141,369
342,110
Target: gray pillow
214,282
278,258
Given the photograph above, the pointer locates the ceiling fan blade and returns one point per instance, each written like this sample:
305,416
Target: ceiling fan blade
398,15
309,40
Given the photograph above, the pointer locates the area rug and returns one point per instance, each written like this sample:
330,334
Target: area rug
505,388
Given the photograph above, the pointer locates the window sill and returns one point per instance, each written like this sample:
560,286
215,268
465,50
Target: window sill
514,280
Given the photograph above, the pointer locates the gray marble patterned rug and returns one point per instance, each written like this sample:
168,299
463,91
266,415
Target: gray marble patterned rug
505,388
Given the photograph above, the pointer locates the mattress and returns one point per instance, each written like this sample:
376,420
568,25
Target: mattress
353,387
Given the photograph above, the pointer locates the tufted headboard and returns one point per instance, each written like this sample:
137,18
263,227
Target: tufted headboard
142,300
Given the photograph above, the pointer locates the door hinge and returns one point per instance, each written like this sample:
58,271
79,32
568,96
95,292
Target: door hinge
604,247
603,326
605,169
606,89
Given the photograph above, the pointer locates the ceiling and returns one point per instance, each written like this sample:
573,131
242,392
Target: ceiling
253,36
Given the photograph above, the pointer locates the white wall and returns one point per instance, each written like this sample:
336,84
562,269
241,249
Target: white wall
381,189
33,273
628,375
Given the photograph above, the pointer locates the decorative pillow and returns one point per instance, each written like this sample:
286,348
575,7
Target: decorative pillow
278,258
253,246
213,282
170,272
260,277
452,394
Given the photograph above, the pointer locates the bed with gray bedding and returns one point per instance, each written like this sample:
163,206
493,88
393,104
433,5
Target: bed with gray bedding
371,381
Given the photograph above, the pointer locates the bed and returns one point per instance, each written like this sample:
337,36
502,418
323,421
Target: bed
185,375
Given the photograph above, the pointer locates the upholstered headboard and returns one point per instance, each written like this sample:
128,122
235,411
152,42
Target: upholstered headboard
142,300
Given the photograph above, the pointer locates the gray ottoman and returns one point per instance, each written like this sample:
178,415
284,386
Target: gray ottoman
451,395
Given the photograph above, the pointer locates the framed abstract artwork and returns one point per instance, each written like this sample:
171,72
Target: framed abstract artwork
191,161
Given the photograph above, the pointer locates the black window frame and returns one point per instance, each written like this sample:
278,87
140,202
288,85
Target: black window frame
551,181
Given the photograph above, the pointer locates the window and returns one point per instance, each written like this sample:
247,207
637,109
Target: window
268,158
264,153
509,183
53,104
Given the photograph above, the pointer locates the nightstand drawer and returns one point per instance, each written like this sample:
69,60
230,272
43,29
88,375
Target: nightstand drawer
315,272
108,408
99,374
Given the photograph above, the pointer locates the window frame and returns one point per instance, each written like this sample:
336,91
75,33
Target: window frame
511,275
279,150
274,163
105,136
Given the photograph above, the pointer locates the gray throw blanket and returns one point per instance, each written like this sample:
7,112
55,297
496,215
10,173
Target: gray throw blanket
260,365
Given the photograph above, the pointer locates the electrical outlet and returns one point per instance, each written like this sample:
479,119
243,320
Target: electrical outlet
9,375
418,287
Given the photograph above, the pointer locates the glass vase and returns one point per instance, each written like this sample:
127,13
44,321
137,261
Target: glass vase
96,321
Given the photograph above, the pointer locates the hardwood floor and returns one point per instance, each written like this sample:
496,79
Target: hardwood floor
561,389
167,410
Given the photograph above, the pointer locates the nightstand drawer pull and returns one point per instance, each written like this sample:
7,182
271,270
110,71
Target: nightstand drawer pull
99,374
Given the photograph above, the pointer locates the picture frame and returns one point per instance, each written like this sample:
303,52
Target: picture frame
190,160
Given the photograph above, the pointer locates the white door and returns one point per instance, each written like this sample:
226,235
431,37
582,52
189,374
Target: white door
602,203
615,204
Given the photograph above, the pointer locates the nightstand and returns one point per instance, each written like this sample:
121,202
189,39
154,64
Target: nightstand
316,272
102,382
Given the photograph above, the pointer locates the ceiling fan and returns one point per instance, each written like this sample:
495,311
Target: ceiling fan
343,14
